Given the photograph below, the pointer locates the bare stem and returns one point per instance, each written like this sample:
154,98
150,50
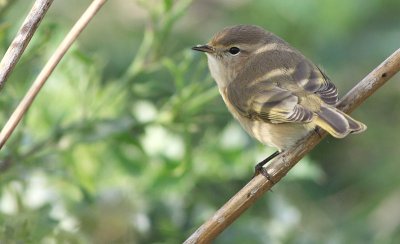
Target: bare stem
279,167
48,69
21,40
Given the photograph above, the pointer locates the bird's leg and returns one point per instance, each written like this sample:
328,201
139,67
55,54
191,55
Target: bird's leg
259,168
316,131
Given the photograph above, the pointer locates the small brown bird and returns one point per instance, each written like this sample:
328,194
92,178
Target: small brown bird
276,94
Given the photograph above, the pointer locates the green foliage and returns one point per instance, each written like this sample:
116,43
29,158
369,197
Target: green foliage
130,142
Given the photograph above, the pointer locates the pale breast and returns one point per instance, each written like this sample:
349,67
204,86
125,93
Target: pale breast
217,71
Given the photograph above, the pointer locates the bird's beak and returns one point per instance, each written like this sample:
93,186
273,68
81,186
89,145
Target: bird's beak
204,48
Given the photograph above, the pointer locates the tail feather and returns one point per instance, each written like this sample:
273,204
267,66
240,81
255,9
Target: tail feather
337,123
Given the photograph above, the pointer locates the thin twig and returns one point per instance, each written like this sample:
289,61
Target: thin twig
279,167
48,69
22,38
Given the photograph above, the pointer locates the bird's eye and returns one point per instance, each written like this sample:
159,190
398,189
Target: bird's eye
234,50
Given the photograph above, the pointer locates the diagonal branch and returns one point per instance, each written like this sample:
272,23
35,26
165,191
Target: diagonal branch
48,69
279,167
21,40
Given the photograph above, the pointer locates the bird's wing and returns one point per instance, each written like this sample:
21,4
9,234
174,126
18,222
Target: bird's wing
268,102
313,79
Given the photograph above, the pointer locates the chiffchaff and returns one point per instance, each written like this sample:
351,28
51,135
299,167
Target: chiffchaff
276,94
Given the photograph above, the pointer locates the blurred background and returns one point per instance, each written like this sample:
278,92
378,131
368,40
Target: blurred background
130,142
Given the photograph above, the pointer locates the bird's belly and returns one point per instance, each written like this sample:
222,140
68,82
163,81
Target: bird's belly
280,136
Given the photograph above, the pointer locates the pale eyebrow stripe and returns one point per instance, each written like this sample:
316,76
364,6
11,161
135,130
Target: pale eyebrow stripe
272,47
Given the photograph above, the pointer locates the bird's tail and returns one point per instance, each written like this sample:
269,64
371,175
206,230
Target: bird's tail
337,123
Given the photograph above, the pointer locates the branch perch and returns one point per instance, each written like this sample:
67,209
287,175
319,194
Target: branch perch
48,69
279,167
21,40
